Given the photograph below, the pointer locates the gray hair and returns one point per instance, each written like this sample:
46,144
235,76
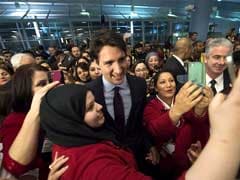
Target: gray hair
216,42
16,60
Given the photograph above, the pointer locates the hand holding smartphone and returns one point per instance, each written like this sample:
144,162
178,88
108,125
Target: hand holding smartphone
57,75
197,73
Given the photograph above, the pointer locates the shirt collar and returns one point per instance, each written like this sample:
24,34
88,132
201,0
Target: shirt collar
218,80
179,59
166,106
109,86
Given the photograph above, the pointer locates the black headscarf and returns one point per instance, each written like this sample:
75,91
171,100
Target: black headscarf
62,117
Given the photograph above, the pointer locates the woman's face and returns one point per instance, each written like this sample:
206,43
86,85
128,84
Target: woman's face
94,70
128,59
39,79
82,74
153,62
166,85
141,70
93,115
4,77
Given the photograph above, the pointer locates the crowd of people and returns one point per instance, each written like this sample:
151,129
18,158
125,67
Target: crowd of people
122,113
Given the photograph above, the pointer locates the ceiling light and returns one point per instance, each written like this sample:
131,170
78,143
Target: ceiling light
133,13
170,14
84,12
217,15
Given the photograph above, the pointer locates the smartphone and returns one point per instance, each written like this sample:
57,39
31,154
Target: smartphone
197,73
231,68
57,75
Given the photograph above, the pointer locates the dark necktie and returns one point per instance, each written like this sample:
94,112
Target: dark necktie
118,110
213,82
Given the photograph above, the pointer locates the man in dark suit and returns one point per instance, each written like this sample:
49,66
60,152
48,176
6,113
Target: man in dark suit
217,76
109,49
181,52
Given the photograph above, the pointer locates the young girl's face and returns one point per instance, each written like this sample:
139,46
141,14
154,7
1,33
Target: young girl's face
93,115
82,74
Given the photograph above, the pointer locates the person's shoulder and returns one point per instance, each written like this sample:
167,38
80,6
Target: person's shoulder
94,83
135,79
170,60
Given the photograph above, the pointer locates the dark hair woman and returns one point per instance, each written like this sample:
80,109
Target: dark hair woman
92,149
6,71
177,121
27,81
82,73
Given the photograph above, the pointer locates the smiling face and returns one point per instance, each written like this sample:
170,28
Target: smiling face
153,62
94,70
216,61
4,77
113,64
82,74
93,115
141,70
166,86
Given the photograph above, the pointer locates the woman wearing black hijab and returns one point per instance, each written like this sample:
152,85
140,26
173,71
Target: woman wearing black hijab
74,122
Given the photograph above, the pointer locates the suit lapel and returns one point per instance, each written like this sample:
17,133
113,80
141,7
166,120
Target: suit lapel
99,96
133,86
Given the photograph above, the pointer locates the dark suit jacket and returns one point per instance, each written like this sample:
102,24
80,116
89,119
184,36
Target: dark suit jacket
134,127
174,66
226,82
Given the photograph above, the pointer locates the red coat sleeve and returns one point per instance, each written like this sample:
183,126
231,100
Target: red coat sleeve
9,130
157,120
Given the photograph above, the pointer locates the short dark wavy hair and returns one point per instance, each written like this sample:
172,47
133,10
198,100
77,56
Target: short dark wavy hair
106,38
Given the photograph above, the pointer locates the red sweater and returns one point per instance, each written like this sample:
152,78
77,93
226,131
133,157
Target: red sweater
102,161
8,132
191,129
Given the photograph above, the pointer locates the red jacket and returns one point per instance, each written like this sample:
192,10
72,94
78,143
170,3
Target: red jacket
102,161
8,132
191,129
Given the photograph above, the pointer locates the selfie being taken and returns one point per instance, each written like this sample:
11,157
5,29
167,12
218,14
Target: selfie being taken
119,90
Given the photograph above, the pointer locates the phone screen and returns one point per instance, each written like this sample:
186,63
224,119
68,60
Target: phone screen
231,68
57,75
197,73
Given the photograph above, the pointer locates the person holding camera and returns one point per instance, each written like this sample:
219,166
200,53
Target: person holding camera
178,122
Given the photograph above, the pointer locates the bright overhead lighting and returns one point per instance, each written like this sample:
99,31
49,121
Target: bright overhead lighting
133,14
84,13
17,13
170,14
